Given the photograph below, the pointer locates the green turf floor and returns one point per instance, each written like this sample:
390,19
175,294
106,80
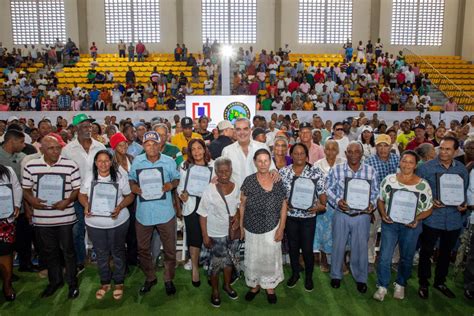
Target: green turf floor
195,301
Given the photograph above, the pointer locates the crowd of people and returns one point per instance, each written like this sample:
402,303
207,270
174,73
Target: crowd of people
381,81
233,187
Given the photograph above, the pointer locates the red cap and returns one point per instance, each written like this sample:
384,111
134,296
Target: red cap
116,139
58,138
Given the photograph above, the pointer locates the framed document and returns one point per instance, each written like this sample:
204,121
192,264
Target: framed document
51,187
303,193
450,189
103,198
197,179
151,182
357,193
7,206
402,206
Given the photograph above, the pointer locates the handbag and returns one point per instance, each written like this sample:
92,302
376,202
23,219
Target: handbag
234,234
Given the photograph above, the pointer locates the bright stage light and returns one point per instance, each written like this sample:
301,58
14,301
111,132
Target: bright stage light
227,51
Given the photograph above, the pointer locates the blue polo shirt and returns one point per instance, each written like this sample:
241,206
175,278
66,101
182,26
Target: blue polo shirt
444,218
159,211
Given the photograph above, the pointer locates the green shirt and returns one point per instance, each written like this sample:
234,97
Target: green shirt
267,104
173,151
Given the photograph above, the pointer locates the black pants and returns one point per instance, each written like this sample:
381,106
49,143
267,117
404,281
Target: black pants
469,272
24,239
300,234
57,241
447,241
131,240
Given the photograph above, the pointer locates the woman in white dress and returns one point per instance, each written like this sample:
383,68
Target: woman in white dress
263,211
360,51
323,235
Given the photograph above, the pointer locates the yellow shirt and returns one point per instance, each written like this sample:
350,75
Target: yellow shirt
308,106
403,139
182,143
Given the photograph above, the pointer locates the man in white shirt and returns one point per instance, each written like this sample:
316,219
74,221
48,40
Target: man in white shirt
277,104
242,151
76,89
82,151
340,138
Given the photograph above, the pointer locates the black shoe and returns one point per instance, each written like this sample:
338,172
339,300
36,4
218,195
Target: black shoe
251,295
271,298
231,294
73,292
209,281
469,294
147,286
423,292
10,297
362,287
308,285
196,283
234,278
215,301
292,281
51,289
15,278
80,268
335,283
170,288
31,268
445,290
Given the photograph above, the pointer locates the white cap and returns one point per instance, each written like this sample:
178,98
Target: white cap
366,128
224,125
12,118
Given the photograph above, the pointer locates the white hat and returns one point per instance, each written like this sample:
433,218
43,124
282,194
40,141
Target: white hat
12,118
366,128
224,125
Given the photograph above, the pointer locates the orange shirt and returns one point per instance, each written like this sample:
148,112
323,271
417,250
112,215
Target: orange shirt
151,103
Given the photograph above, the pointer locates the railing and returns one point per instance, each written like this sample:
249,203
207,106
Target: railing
444,84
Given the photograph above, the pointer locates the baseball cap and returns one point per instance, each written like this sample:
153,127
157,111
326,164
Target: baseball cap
316,130
154,136
366,128
137,124
58,138
306,125
224,125
12,118
257,132
81,117
116,139
420,126
187,122
383,138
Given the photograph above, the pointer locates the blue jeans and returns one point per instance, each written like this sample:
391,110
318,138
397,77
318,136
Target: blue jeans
406,238
79,234
140,57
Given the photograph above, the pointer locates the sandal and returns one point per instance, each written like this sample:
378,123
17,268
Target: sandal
118,292
102,291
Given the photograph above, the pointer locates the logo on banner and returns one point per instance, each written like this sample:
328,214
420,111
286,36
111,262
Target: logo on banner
236,110
201,109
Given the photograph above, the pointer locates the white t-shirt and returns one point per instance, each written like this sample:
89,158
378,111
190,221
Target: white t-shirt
208,84
212,207
108,222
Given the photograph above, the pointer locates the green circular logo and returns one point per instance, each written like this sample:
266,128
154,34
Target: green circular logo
236,110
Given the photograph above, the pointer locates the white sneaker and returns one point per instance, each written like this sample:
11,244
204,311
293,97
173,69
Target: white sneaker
380,294
399,293
188,265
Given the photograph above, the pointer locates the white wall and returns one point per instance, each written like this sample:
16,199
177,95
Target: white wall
468,36
449,32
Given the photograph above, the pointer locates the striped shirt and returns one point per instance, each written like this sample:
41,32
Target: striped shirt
72,181
335,182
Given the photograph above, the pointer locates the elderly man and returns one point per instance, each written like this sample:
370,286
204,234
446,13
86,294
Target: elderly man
241,152
316,152
51,185
226,133
182,139
82,151
384,162
420,138
348,223
155,212
446,221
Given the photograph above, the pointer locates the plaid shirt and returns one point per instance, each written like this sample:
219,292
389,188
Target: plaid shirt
335,183
64,102
382,167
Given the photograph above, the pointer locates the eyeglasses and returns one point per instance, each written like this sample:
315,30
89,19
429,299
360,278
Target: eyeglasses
339,129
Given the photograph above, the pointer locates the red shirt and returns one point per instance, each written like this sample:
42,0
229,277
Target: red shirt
253,88
401,78
293,86
352,106
384,98
140,49
371,105
412,145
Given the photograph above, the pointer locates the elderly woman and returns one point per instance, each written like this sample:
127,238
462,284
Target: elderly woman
323,236
426,152
280,152
199,156
393,233
7,231
108,233
262,219
219,203
301,224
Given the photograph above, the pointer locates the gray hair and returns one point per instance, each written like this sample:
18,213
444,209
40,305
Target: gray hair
221,161
423,150
161,125
356,142
242,119
282,138
331,141
468,141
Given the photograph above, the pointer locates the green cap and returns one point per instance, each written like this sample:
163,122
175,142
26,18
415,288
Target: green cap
79,118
